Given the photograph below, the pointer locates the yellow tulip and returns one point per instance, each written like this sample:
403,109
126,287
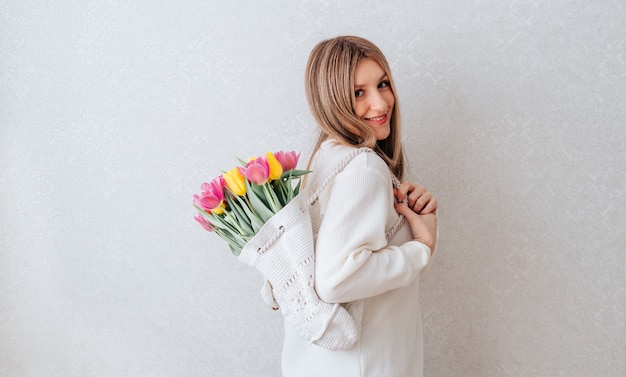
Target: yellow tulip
276,169
218,210
235,181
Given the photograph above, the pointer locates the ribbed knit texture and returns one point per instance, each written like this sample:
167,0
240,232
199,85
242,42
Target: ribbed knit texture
357,264
283,251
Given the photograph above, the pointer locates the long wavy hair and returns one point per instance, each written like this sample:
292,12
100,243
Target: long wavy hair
329,83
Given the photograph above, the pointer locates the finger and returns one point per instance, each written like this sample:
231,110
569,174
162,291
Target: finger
416,192
419,201
418,206
401,192
430,207
421,189
404,210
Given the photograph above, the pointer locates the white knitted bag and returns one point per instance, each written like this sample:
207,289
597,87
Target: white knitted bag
283,251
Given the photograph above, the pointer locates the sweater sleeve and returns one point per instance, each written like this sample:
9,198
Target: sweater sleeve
353,258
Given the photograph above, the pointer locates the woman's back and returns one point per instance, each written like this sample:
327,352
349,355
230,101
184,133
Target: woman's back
355,260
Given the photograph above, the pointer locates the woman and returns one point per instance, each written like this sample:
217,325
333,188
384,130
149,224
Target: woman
361,254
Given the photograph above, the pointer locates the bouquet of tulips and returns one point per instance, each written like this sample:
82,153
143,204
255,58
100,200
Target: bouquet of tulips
237,203
259,209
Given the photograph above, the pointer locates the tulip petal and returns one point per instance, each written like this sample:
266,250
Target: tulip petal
235,181
204,222
257,173
276,169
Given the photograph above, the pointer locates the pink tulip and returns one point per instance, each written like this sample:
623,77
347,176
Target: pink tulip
215,187
212,196
205,224
207,202
257,170
289,160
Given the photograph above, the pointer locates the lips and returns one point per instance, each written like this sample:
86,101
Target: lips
379,119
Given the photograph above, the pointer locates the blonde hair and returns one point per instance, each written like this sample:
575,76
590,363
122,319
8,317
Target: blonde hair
329,82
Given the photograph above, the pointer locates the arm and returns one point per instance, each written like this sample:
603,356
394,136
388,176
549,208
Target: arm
353,259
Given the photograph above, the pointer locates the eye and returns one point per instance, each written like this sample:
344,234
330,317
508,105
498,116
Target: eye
358,93
384,84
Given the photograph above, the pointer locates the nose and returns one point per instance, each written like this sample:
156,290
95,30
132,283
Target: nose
377,102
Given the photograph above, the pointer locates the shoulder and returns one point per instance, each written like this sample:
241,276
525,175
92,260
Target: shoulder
331,154
330,157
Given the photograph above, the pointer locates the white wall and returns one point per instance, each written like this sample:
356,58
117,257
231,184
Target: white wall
113,112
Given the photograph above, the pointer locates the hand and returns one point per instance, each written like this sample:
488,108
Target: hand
424,227
420,200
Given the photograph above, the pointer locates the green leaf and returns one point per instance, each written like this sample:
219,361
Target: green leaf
297,189
255,221
258,190
244,222
272,199
226,231
222,223
206,215
258,206
240,215
235,249
234,244
292,174
281,191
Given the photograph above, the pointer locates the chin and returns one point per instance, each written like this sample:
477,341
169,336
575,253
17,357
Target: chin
382,134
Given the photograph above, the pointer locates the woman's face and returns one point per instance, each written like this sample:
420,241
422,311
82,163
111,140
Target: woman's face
374,97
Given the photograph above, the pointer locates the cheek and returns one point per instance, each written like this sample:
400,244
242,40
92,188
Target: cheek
360,109
391,100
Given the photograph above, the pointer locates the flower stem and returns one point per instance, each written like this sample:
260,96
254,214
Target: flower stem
270,198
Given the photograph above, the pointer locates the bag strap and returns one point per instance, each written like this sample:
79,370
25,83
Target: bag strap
337,170
346,160
400,220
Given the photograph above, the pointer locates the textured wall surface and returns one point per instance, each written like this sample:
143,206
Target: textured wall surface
113,112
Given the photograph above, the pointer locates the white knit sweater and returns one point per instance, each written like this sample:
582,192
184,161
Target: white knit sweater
355,261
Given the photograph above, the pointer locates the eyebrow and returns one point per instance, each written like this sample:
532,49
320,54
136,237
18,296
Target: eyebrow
384,76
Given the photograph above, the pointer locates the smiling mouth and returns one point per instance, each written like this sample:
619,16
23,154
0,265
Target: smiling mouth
377,119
